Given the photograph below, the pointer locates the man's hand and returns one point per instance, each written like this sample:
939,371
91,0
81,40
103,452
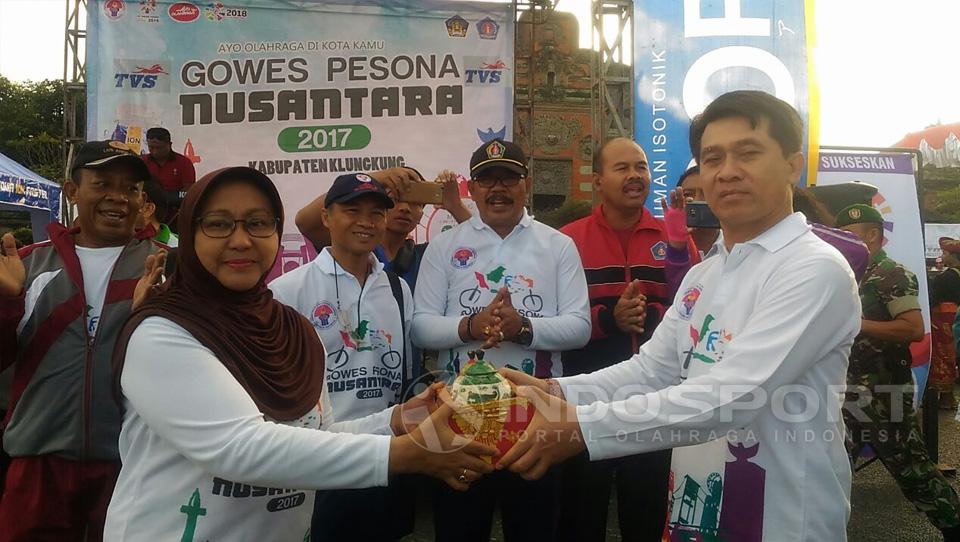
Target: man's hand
435,450
451,196
407,416
149,282
12,272
521,378
396,180
509,320
486,324
631,309
552,436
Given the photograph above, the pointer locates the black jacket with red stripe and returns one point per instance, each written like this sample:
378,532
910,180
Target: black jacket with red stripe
649,258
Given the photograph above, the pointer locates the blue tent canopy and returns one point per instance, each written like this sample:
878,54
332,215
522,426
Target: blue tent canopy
24,190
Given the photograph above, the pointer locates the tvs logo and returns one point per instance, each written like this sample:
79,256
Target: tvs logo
184,12
689,301
488,29
463,257
141,75
487,71
323,315
114,9
659,251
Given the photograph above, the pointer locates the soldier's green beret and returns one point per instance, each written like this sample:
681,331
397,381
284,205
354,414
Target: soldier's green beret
858,214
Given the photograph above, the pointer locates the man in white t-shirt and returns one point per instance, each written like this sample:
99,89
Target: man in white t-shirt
745,375
62,303
356,308
501,268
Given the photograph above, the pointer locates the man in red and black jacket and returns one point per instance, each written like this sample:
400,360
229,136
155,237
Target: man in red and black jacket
633,269
62,305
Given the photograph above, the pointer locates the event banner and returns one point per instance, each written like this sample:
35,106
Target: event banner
31,193
896,199
304,91
688,52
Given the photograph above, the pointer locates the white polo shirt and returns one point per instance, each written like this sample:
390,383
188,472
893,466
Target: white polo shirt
360,329
461,272
745,379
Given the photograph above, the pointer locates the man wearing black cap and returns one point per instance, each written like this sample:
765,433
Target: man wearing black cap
62,303
879,408
359,310
504,279
174,170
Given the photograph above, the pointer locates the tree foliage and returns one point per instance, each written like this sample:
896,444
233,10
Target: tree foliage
941,194
31,124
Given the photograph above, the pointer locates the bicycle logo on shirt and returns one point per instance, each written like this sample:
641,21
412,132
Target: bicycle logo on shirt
337,359
520,287
391,359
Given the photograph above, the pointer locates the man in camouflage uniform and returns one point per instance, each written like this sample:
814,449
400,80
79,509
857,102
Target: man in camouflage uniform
879,409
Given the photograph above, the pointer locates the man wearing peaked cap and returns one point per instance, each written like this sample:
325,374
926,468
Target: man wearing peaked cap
880,360
858,213
358,308
64,423
501,278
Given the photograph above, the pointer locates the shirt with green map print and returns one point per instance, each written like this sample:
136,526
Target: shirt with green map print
887,290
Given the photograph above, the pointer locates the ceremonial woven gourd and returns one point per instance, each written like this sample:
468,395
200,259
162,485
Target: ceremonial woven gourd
486,407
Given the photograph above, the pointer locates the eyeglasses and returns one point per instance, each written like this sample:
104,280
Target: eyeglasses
221,227
490,182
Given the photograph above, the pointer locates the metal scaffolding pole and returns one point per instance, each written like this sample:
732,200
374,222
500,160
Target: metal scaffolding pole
74,86
531,13
611,92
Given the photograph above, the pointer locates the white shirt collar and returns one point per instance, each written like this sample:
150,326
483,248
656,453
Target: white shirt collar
479,224
775,238
325,262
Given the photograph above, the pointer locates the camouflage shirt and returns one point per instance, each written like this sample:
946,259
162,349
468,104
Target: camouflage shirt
887,289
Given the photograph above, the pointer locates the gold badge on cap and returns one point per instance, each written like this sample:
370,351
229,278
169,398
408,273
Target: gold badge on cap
119,145
854,213
495,150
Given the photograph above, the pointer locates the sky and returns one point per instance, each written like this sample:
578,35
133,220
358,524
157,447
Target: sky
884,67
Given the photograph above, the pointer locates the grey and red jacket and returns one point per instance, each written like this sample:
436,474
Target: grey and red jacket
62,398
659,267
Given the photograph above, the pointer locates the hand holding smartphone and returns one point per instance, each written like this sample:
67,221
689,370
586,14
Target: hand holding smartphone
423,193
699,215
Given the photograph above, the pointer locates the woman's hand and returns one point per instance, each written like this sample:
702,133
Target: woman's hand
407,416
434,449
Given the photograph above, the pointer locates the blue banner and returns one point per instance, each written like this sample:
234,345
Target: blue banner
30,193
686,53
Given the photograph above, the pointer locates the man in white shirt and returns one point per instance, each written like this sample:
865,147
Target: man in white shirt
355,306
501,269
745,375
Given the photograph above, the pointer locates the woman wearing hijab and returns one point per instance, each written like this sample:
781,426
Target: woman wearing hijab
220,385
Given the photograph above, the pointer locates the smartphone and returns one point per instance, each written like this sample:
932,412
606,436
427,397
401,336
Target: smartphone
699,215
423,193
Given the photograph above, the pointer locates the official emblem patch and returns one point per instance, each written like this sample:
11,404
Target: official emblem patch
323,315
659,251
457,26
463,257
495,150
